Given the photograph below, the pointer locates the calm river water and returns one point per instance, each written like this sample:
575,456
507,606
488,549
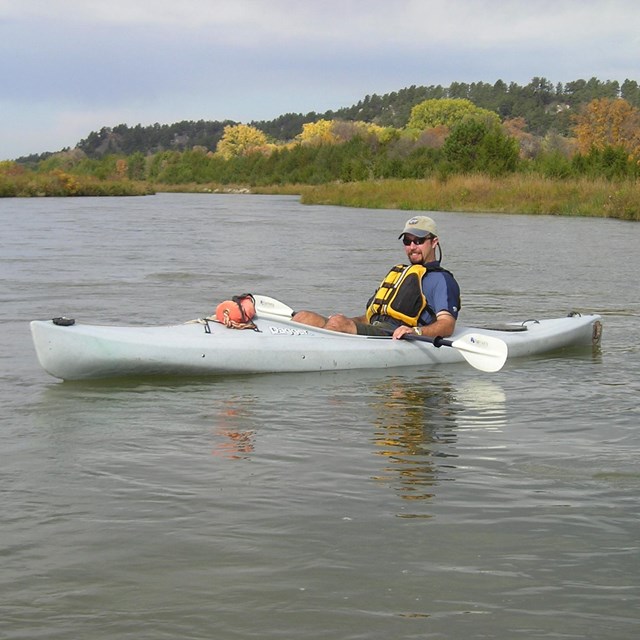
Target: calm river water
429,503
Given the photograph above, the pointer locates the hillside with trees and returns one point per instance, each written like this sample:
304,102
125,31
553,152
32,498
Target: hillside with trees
584,130
546,108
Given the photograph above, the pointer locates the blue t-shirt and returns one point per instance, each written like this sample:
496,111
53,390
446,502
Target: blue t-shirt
442,293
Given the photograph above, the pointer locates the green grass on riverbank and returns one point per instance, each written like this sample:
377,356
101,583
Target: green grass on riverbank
513,194
61,184
518,193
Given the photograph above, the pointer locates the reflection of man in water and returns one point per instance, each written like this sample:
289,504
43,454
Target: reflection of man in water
413,421
418,420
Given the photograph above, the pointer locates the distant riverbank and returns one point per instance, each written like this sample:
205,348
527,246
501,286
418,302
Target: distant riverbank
513,194
518,193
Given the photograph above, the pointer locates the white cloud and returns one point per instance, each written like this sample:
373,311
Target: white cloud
166,60
369,23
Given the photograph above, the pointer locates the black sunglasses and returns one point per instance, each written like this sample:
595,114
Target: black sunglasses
408,241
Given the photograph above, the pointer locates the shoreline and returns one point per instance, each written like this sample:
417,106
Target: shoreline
528,194
517,194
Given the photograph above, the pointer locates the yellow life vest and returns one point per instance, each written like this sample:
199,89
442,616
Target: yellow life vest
400,295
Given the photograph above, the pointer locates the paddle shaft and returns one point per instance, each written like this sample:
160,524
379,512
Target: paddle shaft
438,341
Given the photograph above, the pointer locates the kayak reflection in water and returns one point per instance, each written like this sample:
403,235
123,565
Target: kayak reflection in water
421,297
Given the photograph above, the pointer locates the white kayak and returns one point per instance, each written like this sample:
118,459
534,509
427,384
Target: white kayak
74,351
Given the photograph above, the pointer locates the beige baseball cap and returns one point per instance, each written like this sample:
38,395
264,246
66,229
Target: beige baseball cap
420,226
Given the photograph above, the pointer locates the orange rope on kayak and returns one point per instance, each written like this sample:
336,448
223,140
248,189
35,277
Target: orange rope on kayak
234,324
231,324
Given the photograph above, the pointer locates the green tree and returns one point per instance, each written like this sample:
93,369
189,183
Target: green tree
448,112
631,92
137,166
474,145
609,161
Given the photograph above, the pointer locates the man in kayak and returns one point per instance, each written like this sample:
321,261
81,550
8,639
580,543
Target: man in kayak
422,297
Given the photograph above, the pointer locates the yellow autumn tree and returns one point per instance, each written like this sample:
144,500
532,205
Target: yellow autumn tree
240,140
345,130
607,122
338,131
317,133
384,134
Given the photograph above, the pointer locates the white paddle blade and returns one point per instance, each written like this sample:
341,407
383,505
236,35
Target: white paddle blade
266,306
485,353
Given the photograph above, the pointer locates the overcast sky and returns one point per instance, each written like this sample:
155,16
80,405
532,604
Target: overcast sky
70,67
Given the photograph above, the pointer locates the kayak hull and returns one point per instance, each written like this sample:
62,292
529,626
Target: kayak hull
83,351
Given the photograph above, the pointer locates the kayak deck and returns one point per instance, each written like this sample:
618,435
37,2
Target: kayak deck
83,351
